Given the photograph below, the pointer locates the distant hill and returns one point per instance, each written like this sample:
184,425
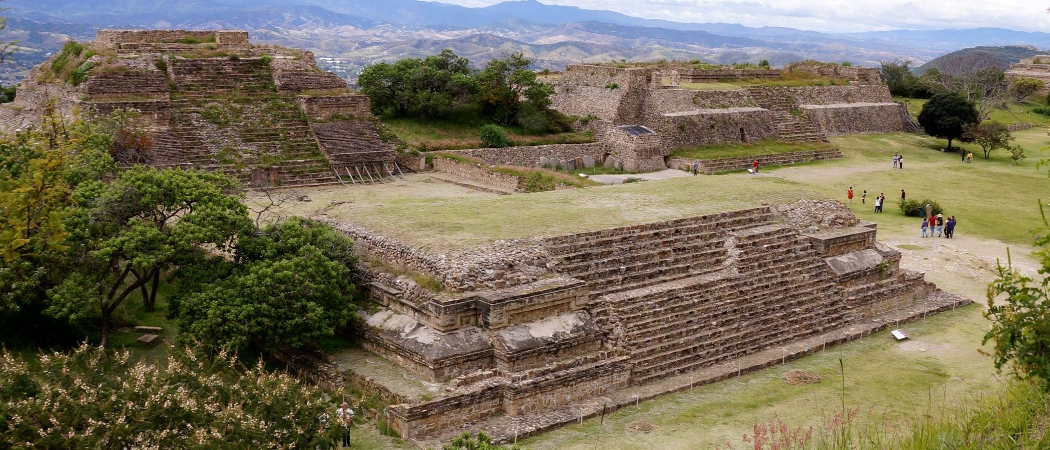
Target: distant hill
1000,57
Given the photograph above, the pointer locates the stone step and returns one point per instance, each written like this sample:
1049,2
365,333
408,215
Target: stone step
598,242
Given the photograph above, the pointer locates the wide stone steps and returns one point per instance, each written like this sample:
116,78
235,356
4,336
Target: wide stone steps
597,243
590,268
695,353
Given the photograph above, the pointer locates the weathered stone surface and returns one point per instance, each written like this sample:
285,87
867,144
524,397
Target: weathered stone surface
587,161
148,338
147,329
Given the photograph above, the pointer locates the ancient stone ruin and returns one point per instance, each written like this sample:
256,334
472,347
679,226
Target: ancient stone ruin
532,333
212,100
1037,67
620,99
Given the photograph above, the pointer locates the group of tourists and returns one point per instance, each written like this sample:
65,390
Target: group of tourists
937,224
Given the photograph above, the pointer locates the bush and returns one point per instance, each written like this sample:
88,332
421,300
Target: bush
916,208
494,136
537,182
266,59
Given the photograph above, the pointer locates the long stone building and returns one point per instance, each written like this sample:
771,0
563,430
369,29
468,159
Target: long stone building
1037,67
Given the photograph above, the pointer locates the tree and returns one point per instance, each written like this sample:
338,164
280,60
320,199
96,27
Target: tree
429,88
1017,154
976,76
898,76
508,88
128,232
292,286
1021,321
990,135
946,115
1021,88
89,398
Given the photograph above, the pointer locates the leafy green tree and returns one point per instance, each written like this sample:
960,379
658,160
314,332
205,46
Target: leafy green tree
292,286
89,398
429,88
1021,320
508,86
990,135
39,169
128,232
494,136
1021,88
946,116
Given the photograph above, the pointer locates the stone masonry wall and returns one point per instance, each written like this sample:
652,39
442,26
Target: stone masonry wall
582,100
112,38
852,118
830,95
716,126
529,156
712,166
713,75
476,172
318,108
665,101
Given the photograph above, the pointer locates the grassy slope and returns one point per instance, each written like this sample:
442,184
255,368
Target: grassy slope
454,135
757,149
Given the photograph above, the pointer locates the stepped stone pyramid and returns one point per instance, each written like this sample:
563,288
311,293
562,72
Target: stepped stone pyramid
212,100
533,333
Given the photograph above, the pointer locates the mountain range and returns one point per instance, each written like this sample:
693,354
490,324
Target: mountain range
354,33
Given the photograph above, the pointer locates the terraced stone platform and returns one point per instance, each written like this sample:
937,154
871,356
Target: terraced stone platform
624,313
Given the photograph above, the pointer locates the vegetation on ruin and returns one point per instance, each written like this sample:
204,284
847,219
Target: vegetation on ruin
445,91
767,147
464,132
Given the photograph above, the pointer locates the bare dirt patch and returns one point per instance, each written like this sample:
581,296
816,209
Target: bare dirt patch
799,377
641,427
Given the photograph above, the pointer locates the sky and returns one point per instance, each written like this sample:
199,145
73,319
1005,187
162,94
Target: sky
828,15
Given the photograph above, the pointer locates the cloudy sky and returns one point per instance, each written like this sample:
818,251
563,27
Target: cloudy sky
829,15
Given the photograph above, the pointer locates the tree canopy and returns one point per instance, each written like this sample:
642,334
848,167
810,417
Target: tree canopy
946,116
990,135
505,91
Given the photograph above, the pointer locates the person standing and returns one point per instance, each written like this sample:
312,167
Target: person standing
895,156
882,201
696,168
345,417
963,154
924,225
949,228
900,162
878,204
864,197
754,167
902,194
928,211
969,157
940,224
849,194
933,224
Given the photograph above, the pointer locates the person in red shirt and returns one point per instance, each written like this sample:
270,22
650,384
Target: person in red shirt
933,223
849,194
754,167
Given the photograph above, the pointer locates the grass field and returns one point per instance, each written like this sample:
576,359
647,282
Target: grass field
1013,113
770,147
438,216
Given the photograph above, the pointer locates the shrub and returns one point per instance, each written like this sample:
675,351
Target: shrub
234,58
612,86
1044,110
79,75
494,136
537,182
916,208
266,59
846,64
558,122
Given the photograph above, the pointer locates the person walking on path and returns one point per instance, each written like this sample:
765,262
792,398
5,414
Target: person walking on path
940,224
696,168
864,197
949,228
754,167
895,156
924,225
933,224
849,194
345,417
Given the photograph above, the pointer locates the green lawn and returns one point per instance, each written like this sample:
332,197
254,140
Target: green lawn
770,147
1013,113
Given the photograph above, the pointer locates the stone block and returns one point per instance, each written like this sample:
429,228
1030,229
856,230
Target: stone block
150,330
562,164
570,165
587,161
544,161
579,162
148,338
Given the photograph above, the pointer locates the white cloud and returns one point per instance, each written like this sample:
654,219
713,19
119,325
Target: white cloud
828,15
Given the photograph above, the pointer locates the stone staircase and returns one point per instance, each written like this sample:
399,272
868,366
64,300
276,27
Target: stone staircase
208,76
790,128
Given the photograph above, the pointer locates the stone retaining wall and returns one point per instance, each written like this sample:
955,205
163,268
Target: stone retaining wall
716,126
853,118
477,173
714,75
712,166
322,107
529,156
113,38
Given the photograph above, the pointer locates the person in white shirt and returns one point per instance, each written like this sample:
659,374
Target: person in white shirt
345,417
